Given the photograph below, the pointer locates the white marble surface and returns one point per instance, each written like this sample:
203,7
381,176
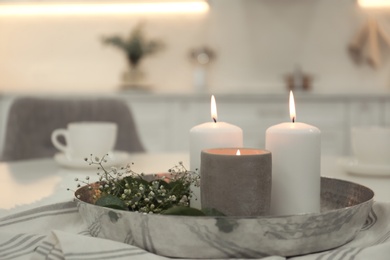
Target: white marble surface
28,184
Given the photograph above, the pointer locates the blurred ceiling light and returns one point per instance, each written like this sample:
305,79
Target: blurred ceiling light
374,3
69,8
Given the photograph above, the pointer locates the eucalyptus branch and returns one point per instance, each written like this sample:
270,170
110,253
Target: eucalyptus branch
142,193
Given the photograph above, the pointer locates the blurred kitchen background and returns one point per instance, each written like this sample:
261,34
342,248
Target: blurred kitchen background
256,43
334,53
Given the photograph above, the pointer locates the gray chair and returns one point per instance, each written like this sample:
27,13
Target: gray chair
32,120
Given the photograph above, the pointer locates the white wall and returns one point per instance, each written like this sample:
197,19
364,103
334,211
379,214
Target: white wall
257,43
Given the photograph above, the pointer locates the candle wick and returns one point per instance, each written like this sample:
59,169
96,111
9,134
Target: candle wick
215,120
293,119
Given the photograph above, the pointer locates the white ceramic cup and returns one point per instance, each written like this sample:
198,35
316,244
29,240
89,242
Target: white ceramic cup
85,138
371,145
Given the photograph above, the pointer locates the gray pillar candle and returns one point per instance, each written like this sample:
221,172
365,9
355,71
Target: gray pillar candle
236,185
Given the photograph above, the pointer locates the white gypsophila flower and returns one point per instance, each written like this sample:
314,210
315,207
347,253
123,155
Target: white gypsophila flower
142,194
184,199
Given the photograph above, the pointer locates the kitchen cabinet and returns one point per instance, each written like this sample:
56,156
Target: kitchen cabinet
366,112
386,113
330,117
333,114
164,120
152,120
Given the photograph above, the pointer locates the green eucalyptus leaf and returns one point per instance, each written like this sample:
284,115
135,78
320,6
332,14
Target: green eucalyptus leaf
182,211
213,212
162,182
137,181
110,201
135,46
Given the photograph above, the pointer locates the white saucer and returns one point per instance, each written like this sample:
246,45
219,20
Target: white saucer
117,158
353,166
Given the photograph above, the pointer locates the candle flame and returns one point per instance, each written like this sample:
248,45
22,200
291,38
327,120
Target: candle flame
238,152
293,115
213,109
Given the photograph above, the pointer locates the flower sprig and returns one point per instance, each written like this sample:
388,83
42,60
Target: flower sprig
126,189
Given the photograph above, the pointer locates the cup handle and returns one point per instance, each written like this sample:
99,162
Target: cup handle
54,139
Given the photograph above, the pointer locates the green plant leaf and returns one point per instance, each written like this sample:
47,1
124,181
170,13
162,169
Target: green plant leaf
212,212
135,46
110,201
136,181
182,211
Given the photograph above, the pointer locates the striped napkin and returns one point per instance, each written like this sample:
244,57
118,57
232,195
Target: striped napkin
57,232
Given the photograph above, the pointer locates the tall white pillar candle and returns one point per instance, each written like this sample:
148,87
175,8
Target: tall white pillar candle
296,163
211,135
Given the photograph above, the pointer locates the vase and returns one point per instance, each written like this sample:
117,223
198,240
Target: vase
133,78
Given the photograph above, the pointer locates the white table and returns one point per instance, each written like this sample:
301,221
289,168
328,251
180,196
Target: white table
32,183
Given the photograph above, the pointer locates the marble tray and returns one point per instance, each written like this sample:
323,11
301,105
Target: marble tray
344,209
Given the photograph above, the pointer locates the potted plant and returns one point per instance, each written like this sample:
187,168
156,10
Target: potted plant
135,47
